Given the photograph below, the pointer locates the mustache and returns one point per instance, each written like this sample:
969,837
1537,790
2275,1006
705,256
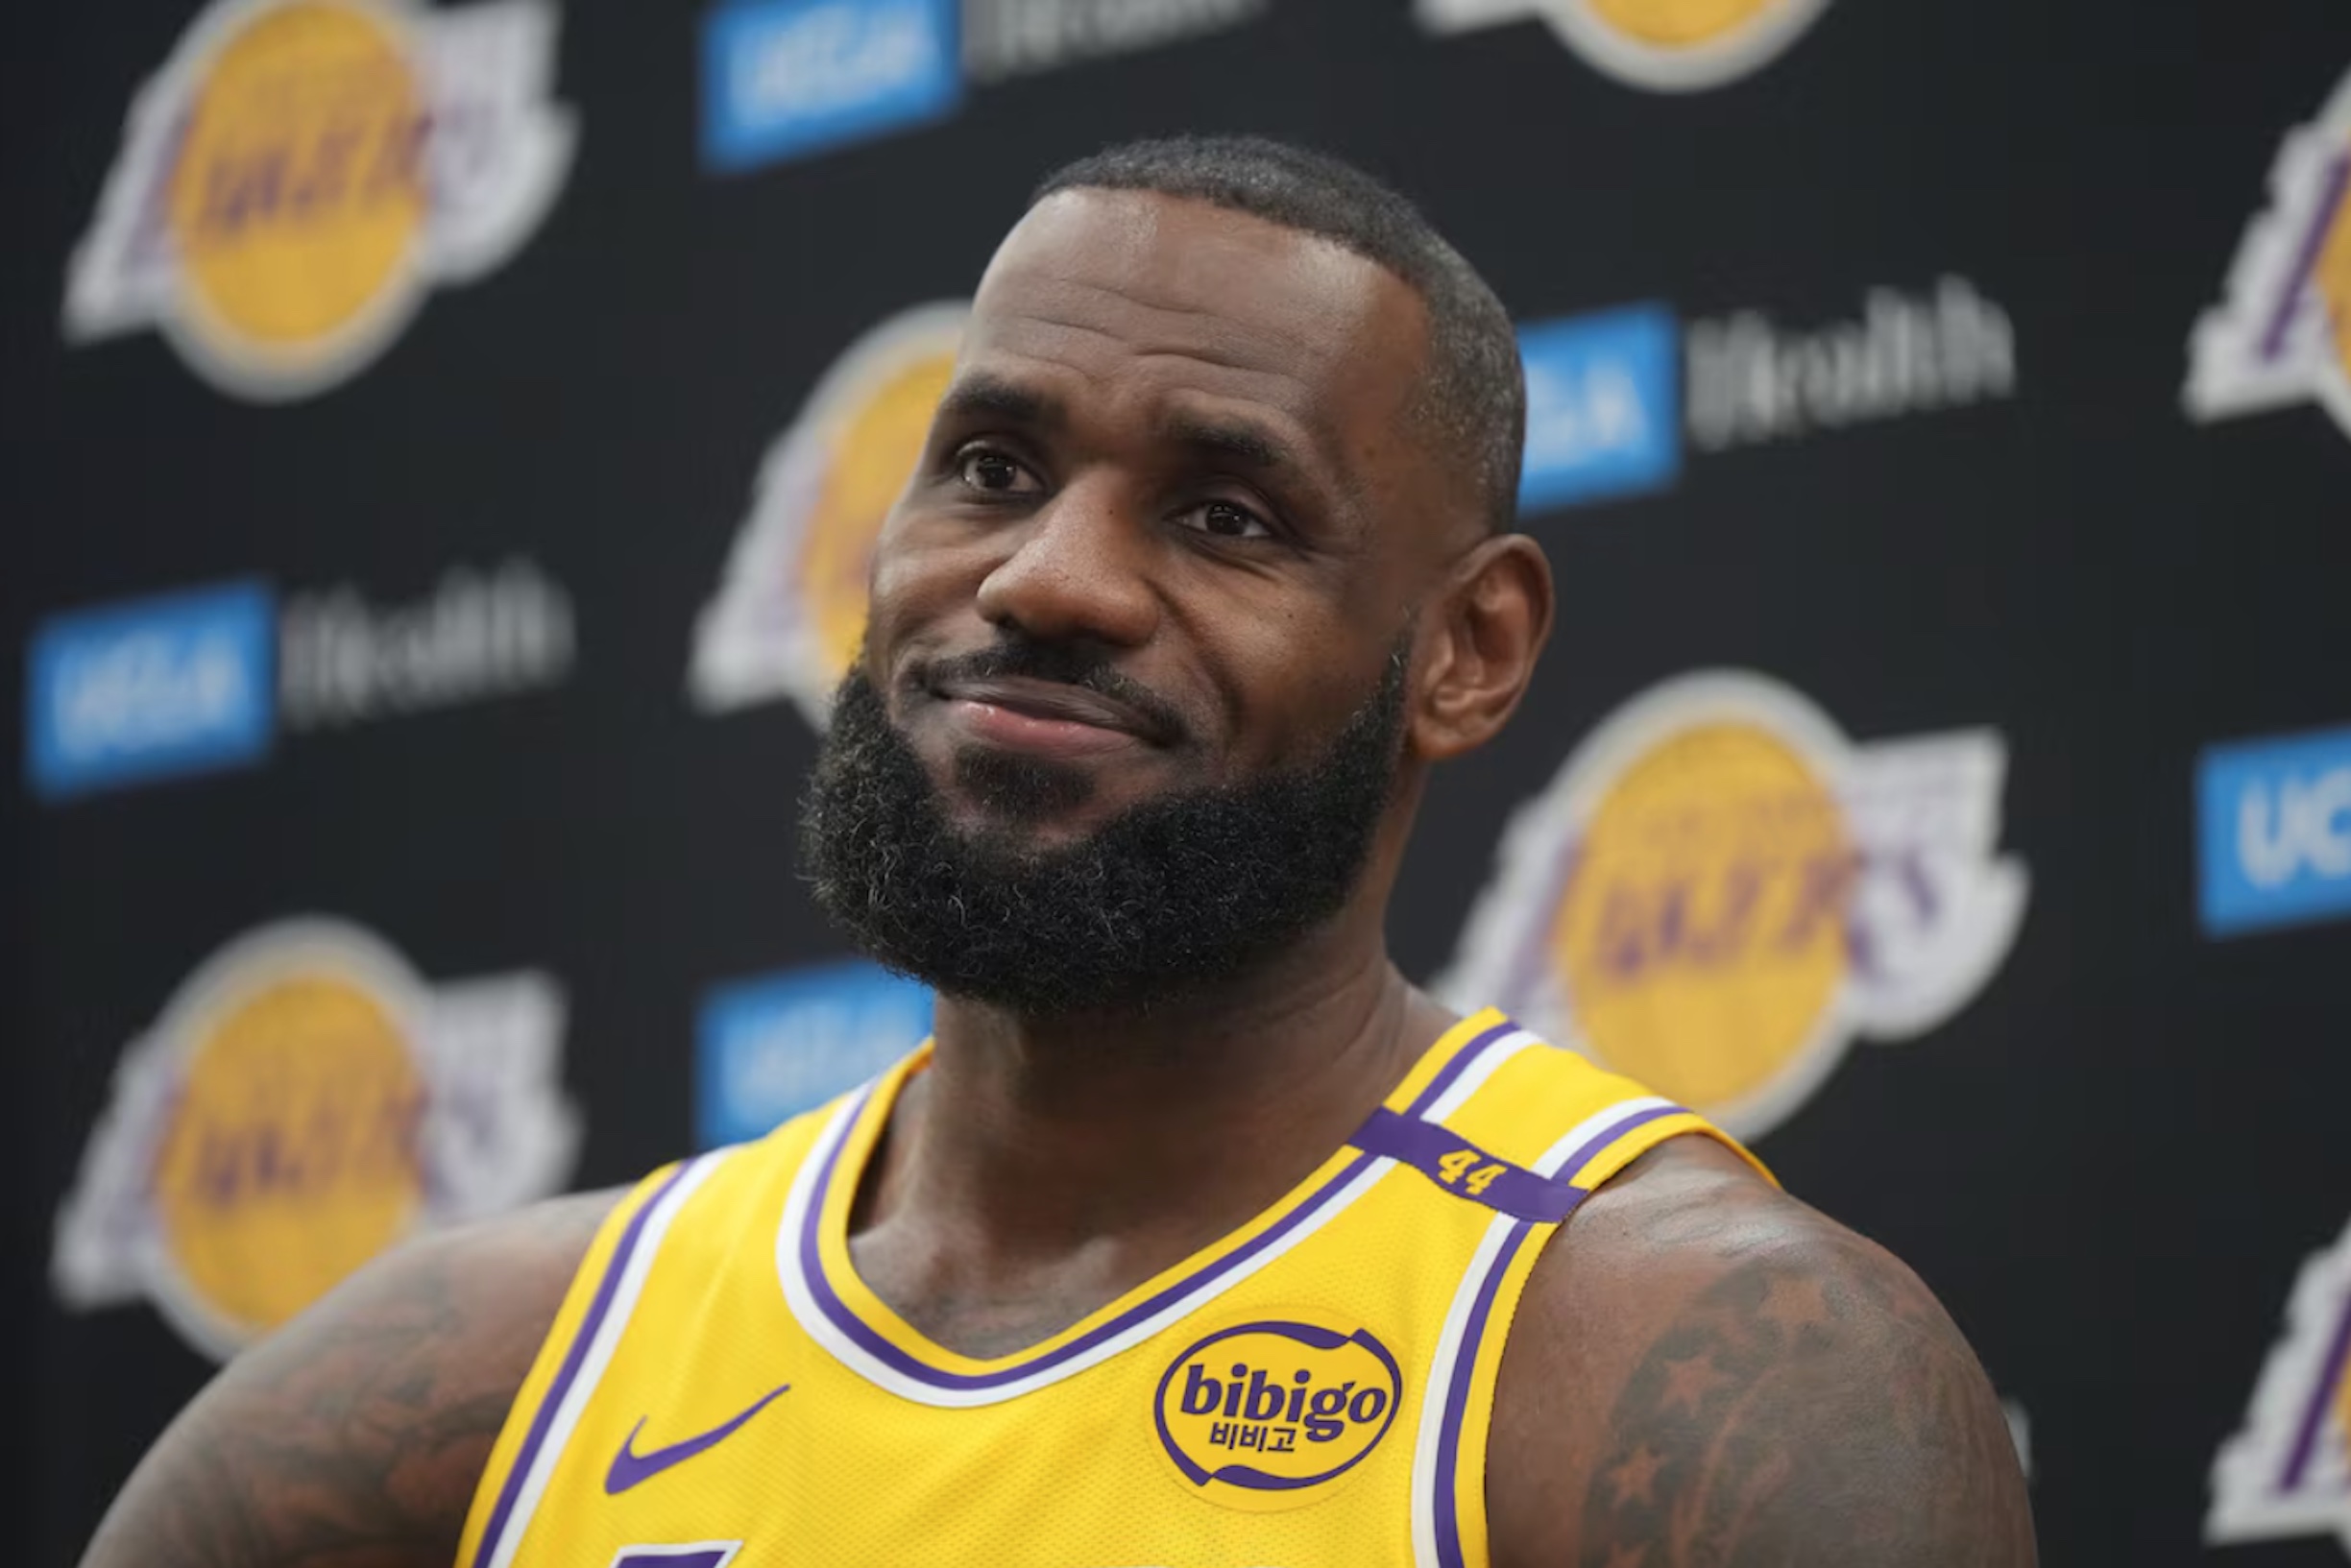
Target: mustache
1067,664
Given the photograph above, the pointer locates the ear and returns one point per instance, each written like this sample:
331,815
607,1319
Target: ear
1478,648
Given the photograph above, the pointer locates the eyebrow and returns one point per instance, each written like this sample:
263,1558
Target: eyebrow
1241,440
982,396
989,397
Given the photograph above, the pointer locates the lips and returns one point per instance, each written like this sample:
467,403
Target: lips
1023,712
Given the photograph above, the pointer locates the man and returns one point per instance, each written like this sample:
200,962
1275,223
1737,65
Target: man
1199,1237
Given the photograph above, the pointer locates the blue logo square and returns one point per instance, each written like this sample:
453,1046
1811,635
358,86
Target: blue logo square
2274,823
771,1047
1604,406
785,79
150,689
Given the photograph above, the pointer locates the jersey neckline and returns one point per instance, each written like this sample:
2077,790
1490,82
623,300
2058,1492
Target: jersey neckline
840,1311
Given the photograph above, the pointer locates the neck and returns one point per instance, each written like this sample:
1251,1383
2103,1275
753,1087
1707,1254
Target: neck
1042,1165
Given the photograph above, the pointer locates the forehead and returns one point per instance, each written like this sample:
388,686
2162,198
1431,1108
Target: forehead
1138,296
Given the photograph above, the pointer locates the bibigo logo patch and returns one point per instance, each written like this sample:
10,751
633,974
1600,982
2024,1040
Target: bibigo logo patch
1260,1414
1668,46
1719,891
304,1102
2287,1472
300,172
2282,333
791,613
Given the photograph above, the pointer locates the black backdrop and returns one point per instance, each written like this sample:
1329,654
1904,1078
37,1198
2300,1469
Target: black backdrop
2113,1158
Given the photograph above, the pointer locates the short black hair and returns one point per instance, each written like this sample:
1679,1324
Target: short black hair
1473,400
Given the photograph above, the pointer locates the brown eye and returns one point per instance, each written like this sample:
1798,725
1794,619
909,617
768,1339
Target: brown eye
1225,520
990,472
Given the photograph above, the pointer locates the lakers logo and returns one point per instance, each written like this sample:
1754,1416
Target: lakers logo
791,611
304,1104
1261,1414
1719,892
2282,334
2287,1472
302,171
1668,46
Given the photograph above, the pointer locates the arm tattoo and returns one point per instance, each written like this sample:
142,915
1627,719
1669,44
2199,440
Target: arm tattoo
354,1437
1813,1410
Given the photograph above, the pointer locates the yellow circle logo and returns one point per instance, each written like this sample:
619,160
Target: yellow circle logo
2332,278
873,452
291,1158
1667,45
299,197
1681,24
791,613
304,1102
1719,892
1702,935
300,173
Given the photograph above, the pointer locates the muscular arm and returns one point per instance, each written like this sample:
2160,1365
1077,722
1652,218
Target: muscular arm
1707,1374
354,1436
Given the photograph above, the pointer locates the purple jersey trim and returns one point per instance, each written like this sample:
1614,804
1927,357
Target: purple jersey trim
2313,1420
1573,1166
1473,1333
1501,1186
1451,1071
573,1359
871,1340
1457,1397
868,1338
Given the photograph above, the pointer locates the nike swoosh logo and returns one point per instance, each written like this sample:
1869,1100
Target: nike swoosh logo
630,1468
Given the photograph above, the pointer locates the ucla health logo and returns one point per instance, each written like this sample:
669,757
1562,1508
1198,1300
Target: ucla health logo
2282,333
205,679
790,78
2287,1472
177,684
1261,1414
1720,891
304,1101
1666,45
1617,399
790,612
771,1047
2274,831
787,79
1604,406
301,172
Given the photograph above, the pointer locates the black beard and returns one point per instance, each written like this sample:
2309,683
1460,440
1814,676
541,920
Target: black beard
1169,898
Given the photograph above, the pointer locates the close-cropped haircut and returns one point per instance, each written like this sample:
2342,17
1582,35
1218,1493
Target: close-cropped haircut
1471,402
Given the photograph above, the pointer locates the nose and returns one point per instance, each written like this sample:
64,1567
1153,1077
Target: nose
1079,568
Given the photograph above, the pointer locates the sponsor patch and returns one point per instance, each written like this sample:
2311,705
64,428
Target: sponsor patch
1262,1415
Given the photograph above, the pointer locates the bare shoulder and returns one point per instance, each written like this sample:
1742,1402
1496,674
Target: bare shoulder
355,1436
1706,1371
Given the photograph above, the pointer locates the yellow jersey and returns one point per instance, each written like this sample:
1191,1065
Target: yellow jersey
720,1390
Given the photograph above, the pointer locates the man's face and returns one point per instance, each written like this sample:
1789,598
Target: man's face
1170,523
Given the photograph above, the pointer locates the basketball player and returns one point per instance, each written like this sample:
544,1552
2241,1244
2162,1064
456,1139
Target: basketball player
1198,1238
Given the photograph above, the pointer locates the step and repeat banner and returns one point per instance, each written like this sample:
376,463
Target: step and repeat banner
443,446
